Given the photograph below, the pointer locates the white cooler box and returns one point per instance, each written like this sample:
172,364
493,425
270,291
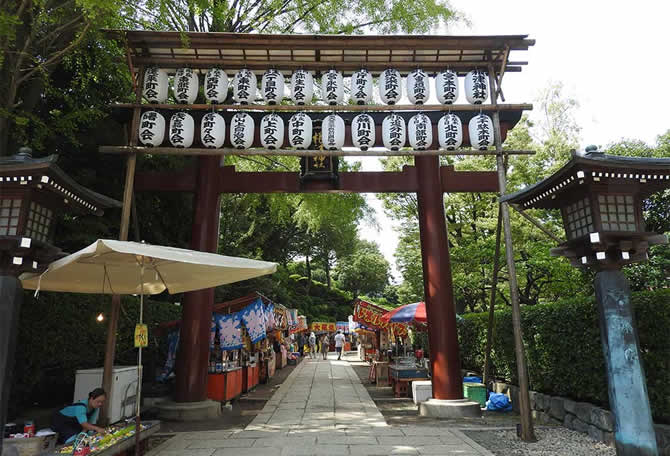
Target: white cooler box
422,390
121,398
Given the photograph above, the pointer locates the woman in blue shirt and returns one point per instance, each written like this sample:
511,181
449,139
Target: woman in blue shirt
79,417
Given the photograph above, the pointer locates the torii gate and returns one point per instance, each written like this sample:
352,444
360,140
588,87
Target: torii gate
207,179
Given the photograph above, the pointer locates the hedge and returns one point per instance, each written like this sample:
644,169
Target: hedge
564,352
58,334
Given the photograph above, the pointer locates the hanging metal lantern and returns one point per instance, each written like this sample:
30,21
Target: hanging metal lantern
212,130
363,131
216,86
390,86
182,129
418,87
477,86
300,130
155,88
152,128
361,87
244,86
332,130
394,132
332,87
420,132
272,86
446,86
272,131
450,132
241,130
481,132
302,87
185,86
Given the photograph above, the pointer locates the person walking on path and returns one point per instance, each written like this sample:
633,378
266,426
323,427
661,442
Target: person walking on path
339,343
312,345
325,344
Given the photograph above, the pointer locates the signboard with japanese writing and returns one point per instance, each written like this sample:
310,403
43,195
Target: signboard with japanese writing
319,167
141,336
323,326
370,315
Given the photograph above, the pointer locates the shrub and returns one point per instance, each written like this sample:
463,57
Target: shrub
564,352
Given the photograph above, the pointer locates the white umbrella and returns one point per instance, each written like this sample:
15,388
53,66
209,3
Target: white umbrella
113,267
124,267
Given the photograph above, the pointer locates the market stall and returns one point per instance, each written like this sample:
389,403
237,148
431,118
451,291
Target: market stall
369,318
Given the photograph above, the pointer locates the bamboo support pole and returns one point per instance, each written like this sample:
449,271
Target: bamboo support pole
326,108
537,224
296,152
527,431
492,303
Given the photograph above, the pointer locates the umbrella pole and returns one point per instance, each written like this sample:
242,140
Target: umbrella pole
138,420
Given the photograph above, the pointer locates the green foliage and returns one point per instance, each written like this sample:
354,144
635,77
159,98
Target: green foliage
563,348
58,334
364,271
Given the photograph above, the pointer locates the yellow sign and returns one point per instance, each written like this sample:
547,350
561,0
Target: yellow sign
322,326
141,336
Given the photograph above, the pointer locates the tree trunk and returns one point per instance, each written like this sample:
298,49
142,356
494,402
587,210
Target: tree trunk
309,274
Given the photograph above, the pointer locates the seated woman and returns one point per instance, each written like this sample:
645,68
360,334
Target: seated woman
78,417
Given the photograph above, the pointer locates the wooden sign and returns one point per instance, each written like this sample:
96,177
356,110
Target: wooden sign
141,336
319,167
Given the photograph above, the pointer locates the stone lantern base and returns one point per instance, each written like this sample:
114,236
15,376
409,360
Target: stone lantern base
457,408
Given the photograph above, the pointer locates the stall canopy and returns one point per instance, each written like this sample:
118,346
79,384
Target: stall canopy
370,316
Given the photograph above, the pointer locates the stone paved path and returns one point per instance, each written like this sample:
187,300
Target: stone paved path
321,409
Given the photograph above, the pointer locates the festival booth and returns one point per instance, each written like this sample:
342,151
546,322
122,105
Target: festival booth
376,335
246,345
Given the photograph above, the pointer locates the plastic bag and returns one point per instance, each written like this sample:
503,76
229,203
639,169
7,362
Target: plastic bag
498,402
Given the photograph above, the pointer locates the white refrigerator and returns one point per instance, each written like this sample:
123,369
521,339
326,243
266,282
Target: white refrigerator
121,398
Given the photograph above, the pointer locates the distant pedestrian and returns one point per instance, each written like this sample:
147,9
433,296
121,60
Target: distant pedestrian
312,345
339,343
325,344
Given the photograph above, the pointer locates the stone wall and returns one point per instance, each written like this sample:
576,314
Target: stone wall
583,417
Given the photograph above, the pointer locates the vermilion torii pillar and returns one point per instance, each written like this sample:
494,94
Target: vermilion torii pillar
429,180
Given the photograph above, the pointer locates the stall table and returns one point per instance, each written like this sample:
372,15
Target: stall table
402,378
251,377
225,386
122,448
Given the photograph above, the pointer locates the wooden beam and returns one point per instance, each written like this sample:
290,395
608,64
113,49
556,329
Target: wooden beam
328,109
537,224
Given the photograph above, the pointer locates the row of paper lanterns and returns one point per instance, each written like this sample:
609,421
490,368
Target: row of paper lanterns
185,86
395,132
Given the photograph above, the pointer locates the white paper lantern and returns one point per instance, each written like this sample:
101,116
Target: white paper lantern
332,87
363,131
244,86
300,130
152,128
332,131
420,132
446,86
155,88
182,129
394,132
272,86
212,130
450,132
216,86
272,131
390,86
418,87
361,87
481,132
241,131
185,86
302,87
477,86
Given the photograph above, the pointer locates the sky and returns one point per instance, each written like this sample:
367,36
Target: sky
611,56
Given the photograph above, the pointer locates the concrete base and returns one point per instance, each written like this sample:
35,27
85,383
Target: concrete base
188,411
457,408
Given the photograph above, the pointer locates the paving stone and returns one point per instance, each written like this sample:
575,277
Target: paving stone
382,450
247,452
227,443
199,452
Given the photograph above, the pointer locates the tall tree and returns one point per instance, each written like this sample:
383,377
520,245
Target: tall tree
365,271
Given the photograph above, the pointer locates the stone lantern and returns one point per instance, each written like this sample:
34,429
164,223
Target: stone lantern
601,202
34,192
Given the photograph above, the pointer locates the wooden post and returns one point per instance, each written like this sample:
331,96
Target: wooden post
634,432
11,299
537,224
492,304
115,308
527,432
